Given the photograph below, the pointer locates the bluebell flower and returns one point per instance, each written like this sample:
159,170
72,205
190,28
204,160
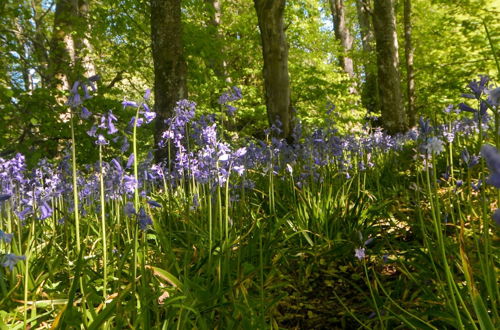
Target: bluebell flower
45,211
154,203
496,217
143,219
490,154
433,145
130,160
10,260
7,238
4,197
129,104
359,253
493,96
101,140
85,114
129,209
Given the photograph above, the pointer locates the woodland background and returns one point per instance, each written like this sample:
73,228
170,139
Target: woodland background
47,45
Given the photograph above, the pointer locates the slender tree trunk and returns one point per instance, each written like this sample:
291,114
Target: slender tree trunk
169,65
369,94
343,35
83,61
275,54
70,49
394,117
410,73
62,47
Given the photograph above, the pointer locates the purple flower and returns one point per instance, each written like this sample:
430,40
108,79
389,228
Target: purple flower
4,197
101,140
149,116
494,96
45,211
147,94
143,219
359,253
154,203
129,209
130,161
492,158
496,217
85,114
92,132
129,104
10,260
7,238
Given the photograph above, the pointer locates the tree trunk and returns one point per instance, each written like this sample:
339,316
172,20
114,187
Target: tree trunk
410,73
83,61
275,54
343,35
394,117
369,94
62,47
70,49
169,65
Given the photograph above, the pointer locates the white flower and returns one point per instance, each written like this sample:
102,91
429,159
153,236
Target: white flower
434,146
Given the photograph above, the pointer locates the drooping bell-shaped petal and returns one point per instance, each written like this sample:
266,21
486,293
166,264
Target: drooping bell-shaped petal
7,238
4,197
143,219
130,160
494,96
85,114
101,140
154,203
129,104
149,116
147,94
92,132
45,211
10,260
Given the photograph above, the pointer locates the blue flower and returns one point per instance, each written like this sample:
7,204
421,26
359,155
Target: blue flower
85,114
492,158
129,209
101,140
4,197
7,238
143,219
10,260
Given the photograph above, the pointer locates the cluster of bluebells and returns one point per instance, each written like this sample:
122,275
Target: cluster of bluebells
234,94
200,154
8,260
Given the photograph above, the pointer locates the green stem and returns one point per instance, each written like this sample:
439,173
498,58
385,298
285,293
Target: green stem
103,228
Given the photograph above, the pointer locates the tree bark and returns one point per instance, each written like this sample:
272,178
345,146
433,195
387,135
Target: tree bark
275,54
369,93
70,49
410,72
62,47
343,35
394,117
169,65
83,61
